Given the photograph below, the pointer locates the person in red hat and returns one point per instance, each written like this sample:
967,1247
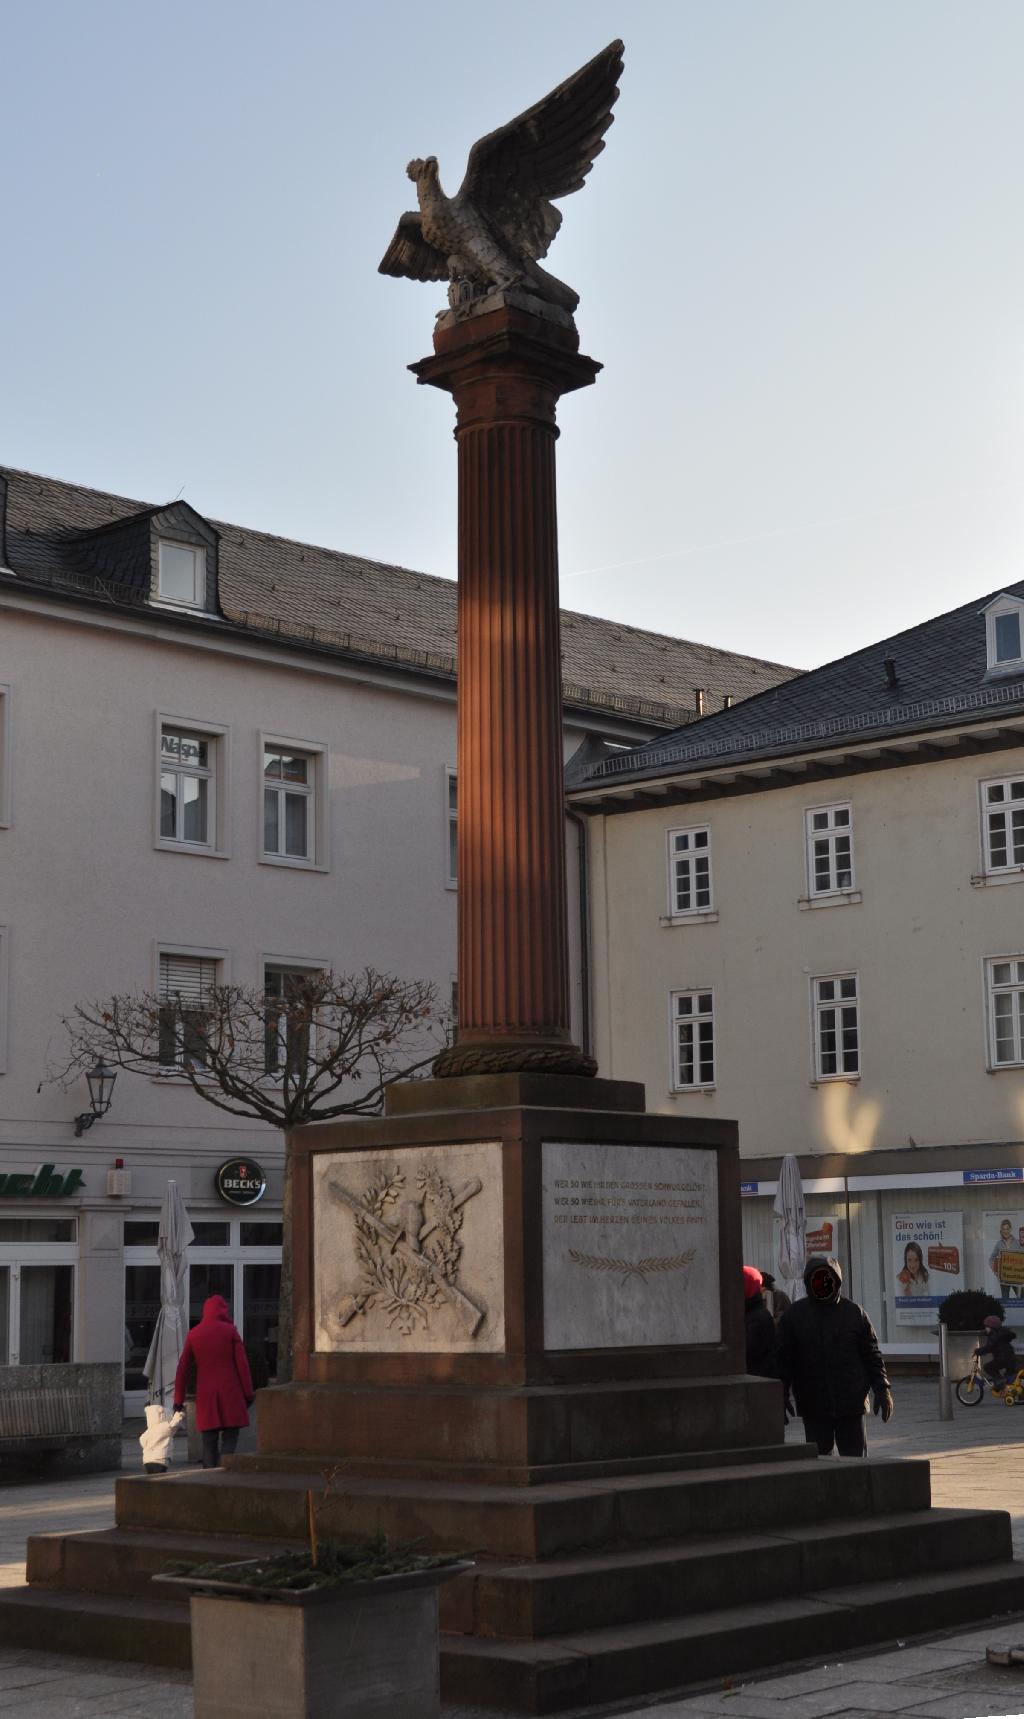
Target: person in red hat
759,1327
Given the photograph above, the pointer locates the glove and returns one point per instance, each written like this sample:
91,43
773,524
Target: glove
883,1403
178,1409
249,1402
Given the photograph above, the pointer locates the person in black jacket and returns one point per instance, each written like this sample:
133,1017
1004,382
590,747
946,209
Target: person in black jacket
997,1353
829,1357
759,1327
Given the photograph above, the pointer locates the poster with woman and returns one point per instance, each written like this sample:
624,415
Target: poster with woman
928,1263
1003,1235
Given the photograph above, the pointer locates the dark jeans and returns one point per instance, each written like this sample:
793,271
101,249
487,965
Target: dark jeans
226,1437
846,1432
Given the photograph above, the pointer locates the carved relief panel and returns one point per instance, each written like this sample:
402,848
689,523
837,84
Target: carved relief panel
408,1250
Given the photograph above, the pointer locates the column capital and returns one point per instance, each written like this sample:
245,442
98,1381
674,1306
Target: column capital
506,365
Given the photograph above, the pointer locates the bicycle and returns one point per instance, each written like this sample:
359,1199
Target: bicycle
971,1388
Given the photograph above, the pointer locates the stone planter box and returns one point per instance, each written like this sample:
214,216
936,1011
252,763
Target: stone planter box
369,1648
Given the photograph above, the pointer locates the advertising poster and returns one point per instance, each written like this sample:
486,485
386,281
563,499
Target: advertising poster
822,1236
1003,1238
928,1263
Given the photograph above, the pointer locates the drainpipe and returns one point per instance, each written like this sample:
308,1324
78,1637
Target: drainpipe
580,822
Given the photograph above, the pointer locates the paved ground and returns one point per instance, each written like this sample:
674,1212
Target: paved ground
976,1460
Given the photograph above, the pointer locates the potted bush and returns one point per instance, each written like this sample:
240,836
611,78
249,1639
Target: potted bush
960,1316
282,1635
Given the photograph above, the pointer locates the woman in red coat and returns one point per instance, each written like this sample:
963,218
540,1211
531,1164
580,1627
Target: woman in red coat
223,1382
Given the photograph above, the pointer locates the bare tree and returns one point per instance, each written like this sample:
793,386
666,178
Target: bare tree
308,1048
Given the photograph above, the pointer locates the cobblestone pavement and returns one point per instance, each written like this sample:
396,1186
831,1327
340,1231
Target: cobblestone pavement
976,1461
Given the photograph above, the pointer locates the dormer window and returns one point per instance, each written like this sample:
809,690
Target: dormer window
1004,623
182,575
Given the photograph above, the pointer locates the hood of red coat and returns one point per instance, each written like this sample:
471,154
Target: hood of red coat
216,1308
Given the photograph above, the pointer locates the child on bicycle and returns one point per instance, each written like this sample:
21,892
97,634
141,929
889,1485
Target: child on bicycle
996,1352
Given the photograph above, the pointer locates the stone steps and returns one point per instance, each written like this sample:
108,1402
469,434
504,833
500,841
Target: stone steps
600,1590
530,1522
631,1661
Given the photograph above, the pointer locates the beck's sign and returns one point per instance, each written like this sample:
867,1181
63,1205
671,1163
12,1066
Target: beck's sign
241,1182
46,1183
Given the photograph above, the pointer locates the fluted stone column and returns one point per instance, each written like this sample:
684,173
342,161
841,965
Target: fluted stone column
506,370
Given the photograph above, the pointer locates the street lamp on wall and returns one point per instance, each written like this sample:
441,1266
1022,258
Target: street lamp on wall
100,1081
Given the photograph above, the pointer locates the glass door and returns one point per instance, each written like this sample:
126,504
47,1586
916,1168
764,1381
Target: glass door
46,1314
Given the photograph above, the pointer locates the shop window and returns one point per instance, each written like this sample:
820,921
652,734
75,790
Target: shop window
210,1235
37,1229
261,1235
141,1233
46,1315
205,1280
261,1290
5,1314
141,1307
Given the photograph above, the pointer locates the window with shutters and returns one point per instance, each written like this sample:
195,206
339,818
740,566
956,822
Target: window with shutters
191,786
1005,984
690,890
294,785
693,1040
185,984
1002,822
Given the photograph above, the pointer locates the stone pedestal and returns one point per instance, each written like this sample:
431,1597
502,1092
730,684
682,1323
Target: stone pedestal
499,1281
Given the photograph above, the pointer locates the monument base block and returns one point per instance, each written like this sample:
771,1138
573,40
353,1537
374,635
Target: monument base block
520,1338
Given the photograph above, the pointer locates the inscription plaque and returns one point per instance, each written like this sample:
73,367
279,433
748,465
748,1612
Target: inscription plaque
630,1246
408,1250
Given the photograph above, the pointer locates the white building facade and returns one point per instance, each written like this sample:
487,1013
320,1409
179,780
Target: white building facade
808,914
223,758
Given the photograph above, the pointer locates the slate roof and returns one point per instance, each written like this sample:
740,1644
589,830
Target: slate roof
942,681
326,599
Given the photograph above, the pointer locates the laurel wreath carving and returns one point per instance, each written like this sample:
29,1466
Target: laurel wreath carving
627,1268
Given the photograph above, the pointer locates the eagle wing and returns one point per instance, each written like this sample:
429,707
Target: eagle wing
410,257
546,152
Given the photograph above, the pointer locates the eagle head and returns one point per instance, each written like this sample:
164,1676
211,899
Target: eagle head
418,169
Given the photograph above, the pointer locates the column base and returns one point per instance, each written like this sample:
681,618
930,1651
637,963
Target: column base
498,1057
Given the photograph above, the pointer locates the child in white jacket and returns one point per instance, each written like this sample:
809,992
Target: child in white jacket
156,1440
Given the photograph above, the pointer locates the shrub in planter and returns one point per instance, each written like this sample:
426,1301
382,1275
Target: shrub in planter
965,1309
282,1635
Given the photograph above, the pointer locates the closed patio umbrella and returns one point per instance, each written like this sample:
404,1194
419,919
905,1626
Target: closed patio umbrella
791,1224
173,1240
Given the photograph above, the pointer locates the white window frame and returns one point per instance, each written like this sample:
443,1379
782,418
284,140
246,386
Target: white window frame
1002,605
14,1256
292,964
217,736
5,944
987,809
5,755
830,834
174,1071
687,861
451,824
318,820
182,603
698,1015
1015,987
818,1006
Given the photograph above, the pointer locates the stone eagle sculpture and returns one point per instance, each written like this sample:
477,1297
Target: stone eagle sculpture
493,232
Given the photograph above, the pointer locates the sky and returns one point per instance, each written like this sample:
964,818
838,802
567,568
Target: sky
800,260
